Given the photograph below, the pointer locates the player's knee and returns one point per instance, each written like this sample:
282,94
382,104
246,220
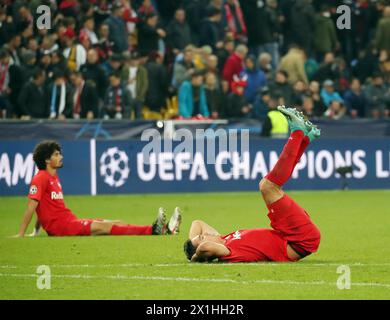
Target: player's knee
265,186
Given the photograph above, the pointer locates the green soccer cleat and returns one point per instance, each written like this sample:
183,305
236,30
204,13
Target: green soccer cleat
174,222
314,132
159,227
295,119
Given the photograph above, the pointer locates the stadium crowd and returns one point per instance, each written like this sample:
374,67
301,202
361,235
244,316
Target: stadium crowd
213,58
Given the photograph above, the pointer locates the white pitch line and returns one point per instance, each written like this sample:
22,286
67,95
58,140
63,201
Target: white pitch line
183,279
165,265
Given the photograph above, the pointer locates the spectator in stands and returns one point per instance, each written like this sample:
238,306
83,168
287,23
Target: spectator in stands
282,87
213,94
196,12
260,107
118,101
59,97
32,98
178,32
88,31
235,64
224,53
275,124
45,64
236,105
136,77
302,24
255,79
211,65
235,20
300,89
327,69
58,62
265,64
146,9
378,95
210,32
294,63
29,59
114,64
336,110
382,38
149,35
315,93
94,72
184,68
158,82
85,97
325,38
118,31
74,53
6,26
308,106
367,63
104,46
275,19
192,98
13,47
5,107
356,101
328,93
258,23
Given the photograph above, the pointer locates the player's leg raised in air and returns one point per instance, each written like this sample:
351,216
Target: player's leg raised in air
286,216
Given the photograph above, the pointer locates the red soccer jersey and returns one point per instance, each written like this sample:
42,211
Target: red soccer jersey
51,209
255,245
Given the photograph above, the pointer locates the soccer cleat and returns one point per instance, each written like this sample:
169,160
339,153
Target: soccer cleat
295,119
314,134
159,227
175,221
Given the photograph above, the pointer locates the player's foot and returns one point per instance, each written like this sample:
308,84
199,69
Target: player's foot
159,227
174,222
313,132
295,119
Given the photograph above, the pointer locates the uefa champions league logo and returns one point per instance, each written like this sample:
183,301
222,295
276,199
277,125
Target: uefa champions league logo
114,167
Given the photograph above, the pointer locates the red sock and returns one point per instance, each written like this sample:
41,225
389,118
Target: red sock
130,230
287,159
305,143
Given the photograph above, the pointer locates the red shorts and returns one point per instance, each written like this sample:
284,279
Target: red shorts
294,225
76,227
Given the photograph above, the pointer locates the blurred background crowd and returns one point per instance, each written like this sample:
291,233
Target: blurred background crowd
219,59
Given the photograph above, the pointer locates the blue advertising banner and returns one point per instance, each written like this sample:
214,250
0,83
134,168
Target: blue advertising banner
17,167
110,167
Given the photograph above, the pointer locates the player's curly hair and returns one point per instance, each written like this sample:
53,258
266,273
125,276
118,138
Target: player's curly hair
189,249
43,151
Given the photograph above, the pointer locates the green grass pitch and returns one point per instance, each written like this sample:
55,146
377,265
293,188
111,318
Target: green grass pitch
355,227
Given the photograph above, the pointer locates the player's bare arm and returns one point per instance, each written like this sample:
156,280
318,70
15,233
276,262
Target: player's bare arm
208,251
28,214
199,227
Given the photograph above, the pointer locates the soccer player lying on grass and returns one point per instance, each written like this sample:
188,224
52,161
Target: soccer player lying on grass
293,237
46,199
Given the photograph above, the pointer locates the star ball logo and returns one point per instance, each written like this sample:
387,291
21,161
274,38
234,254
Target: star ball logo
114,167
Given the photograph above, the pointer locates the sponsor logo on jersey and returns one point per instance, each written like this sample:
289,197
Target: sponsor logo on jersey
57,196
237,235
33,189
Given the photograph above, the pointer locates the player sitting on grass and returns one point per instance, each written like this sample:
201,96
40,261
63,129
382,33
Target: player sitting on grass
293,237
46,199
